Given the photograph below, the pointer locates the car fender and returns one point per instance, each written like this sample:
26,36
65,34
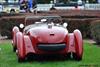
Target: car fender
20,45
29,48
14,31
71,46
78,43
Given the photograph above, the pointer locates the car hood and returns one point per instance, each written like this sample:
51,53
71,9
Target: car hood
49,35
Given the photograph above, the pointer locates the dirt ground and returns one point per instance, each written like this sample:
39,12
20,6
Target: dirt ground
4,41
90,41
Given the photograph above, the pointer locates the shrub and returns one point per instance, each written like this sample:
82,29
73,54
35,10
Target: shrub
95,30
8,14
82,24
6,26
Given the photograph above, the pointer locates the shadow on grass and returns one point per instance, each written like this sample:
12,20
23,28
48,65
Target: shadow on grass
48,58
97,44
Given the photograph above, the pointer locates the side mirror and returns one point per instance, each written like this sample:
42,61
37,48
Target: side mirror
21,26
65,24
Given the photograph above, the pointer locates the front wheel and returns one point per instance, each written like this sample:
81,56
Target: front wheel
78,45
20,47
21,59
14,49
75,57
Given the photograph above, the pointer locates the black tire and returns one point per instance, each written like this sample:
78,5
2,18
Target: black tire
14,49
31,57
68,55
75,57
21,60
12,11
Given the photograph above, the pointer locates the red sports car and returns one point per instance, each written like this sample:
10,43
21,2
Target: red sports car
47,35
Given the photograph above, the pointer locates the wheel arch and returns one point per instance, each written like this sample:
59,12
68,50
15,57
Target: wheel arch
14,32
20,45
78,43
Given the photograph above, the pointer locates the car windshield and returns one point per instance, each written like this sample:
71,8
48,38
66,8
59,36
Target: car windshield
32,19
36,21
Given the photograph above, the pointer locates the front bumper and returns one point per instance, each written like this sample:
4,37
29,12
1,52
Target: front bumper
51,47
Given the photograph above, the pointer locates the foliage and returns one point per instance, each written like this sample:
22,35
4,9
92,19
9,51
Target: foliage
6,27
8,14
95,30
82,25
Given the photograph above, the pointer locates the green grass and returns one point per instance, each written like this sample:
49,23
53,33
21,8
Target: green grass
91,57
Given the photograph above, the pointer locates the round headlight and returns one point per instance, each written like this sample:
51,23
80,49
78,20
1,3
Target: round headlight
21,25
65,25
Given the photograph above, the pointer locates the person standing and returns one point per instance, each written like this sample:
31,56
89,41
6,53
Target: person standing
32,4
24,5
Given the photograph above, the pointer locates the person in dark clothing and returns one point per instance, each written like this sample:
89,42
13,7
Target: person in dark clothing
24,5
34,4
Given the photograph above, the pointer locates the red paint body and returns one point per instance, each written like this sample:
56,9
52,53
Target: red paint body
42,35
28,41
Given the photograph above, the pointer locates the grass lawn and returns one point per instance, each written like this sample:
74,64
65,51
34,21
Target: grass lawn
91,58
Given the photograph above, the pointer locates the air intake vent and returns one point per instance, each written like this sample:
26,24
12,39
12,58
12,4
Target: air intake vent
52,34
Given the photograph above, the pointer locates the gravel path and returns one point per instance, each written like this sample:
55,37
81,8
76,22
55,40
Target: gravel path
4,41
90,41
